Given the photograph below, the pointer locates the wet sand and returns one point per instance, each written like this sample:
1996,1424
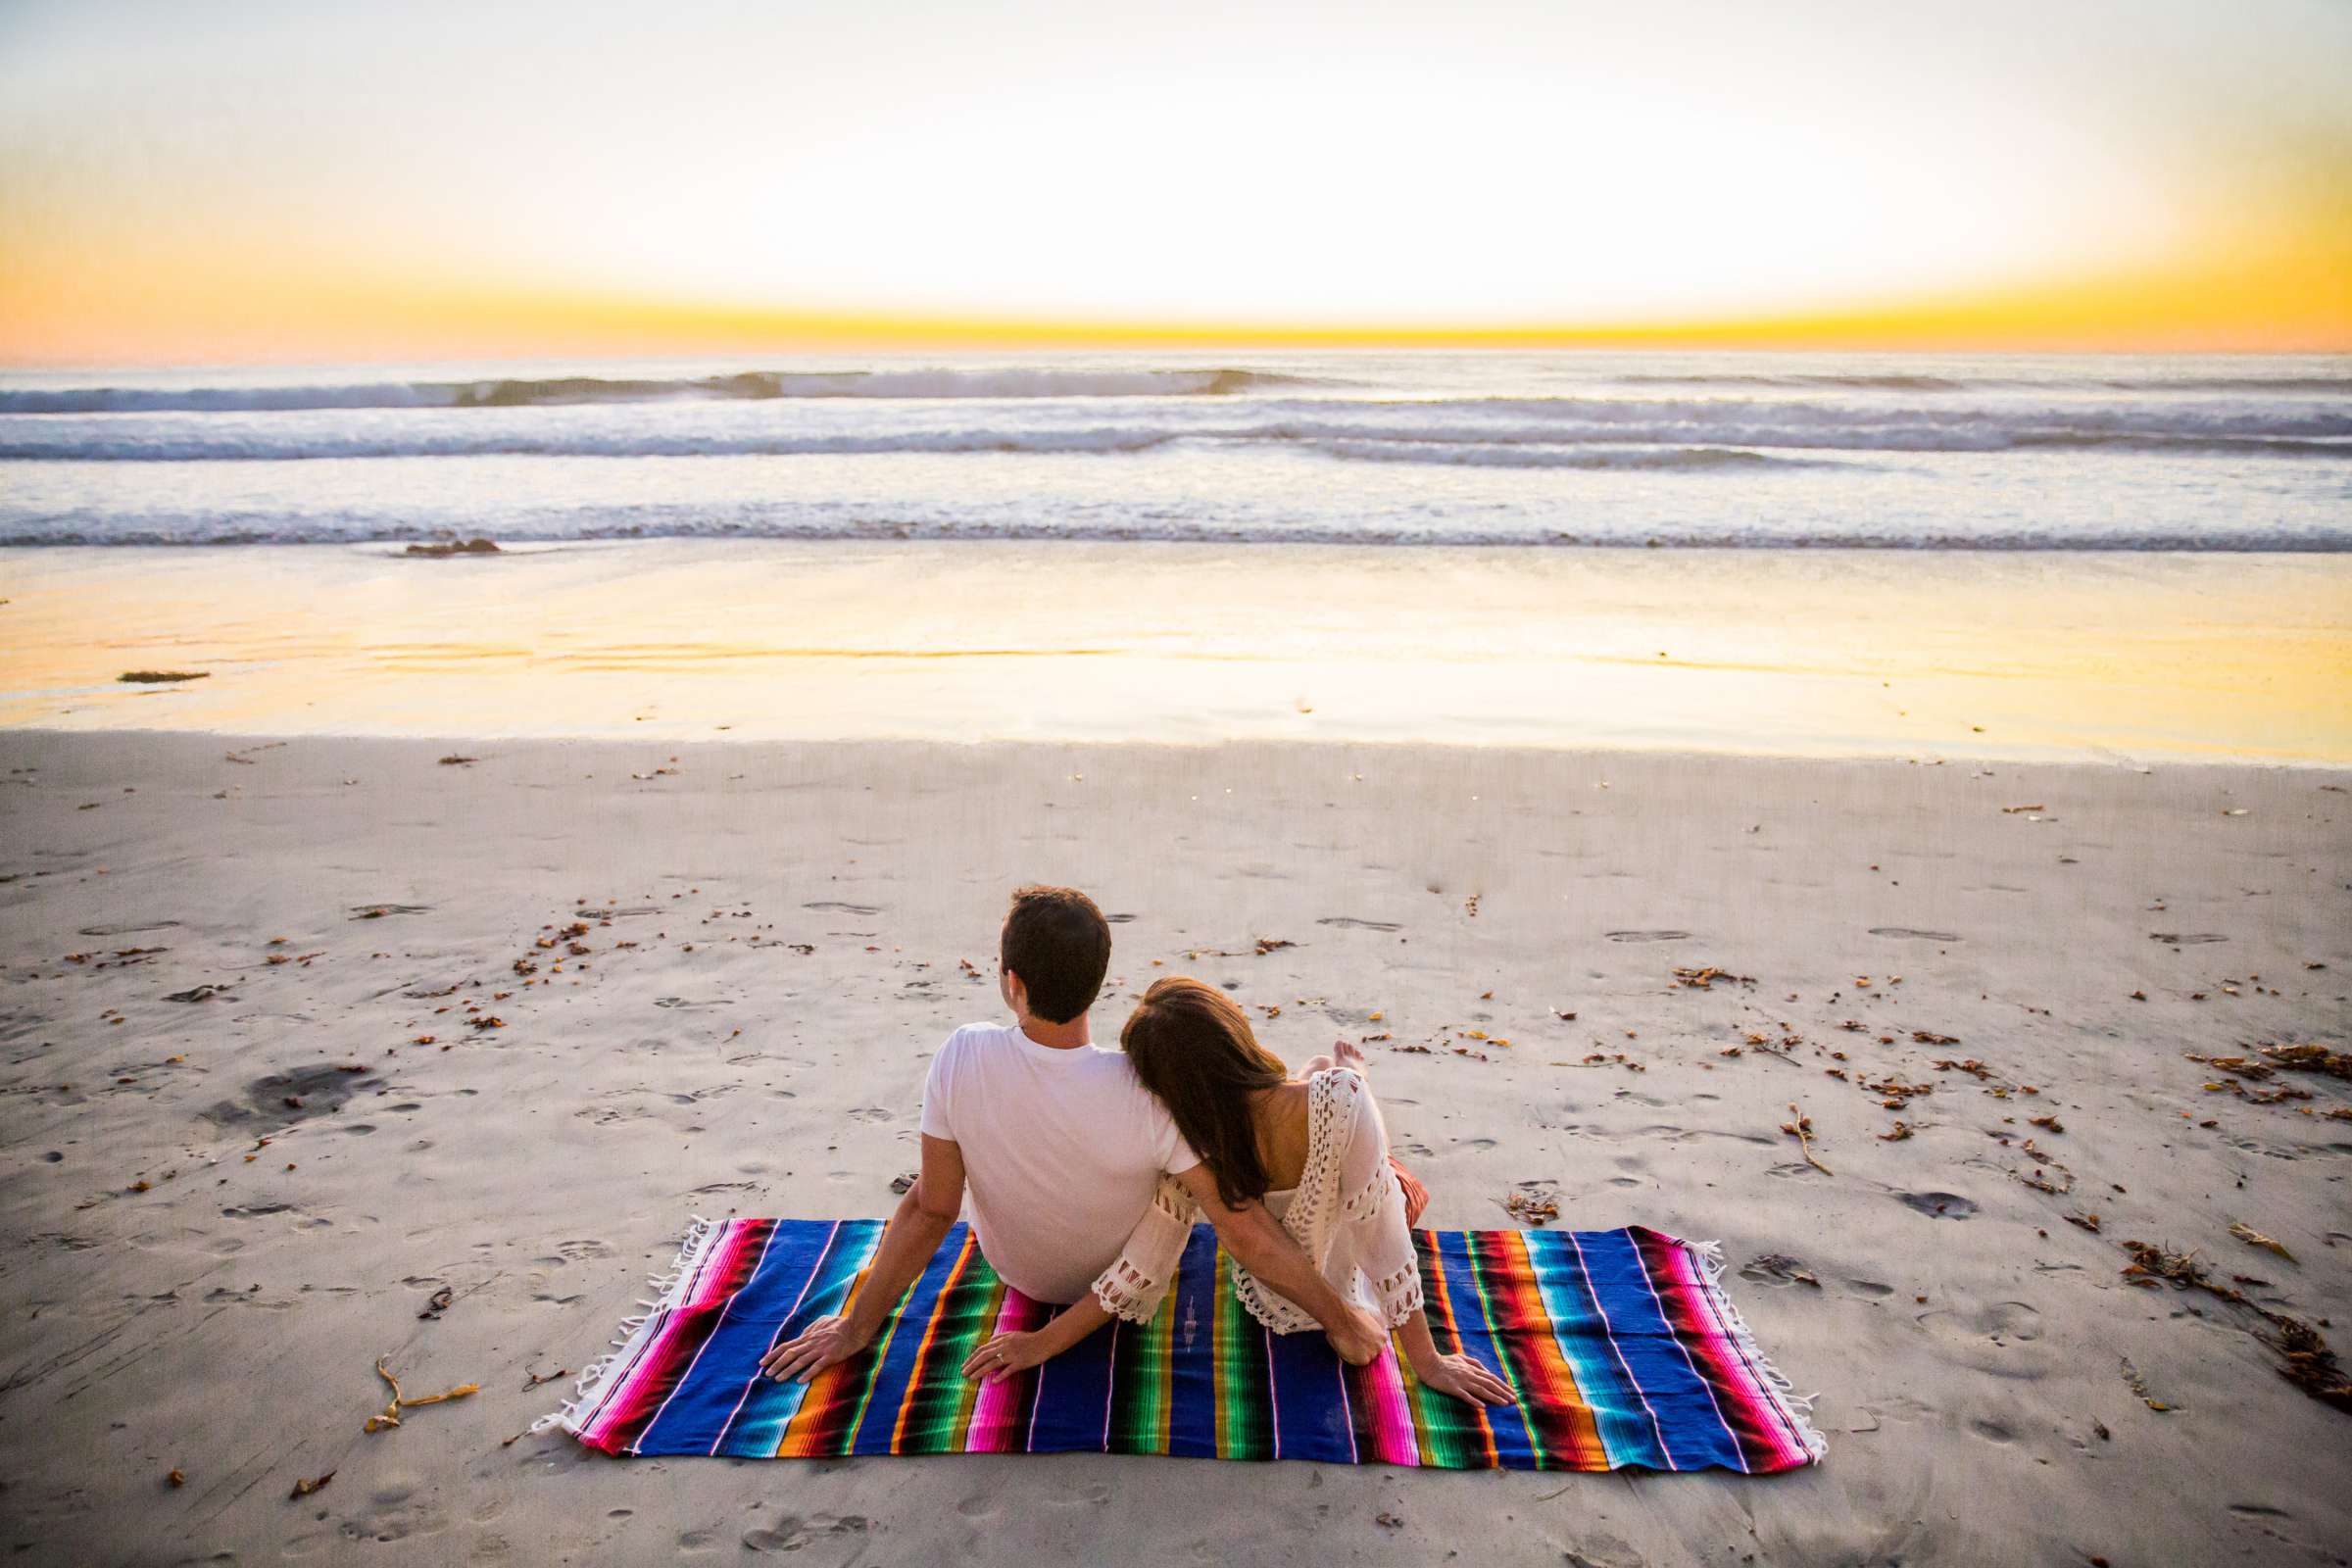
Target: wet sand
221,1212
2059,656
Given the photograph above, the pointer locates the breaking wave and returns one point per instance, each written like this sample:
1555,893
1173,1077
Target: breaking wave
1687,460
2254,383
1727,432
573,390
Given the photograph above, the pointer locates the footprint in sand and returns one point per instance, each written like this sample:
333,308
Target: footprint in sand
1601,1550
285,1097
1939,1205
1778,1271
2001,1322
792,1533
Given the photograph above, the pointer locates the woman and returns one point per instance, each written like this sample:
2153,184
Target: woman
1311,1149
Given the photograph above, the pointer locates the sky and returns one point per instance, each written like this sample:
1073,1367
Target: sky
255,181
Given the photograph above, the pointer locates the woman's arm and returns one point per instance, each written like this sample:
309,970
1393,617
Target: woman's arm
1373,1210
1260,1244
1457,1375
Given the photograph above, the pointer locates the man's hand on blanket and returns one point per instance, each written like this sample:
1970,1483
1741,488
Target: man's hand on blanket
828,1339
1005,1354
1466,1380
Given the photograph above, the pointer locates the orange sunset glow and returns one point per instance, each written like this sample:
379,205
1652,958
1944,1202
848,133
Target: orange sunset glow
381,181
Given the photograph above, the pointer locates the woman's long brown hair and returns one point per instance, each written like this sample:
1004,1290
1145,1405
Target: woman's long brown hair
1192,1046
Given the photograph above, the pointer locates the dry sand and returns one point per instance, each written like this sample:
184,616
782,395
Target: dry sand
1989,1379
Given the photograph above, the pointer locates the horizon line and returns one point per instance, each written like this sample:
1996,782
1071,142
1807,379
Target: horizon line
2272,304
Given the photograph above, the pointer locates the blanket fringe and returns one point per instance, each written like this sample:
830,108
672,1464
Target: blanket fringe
668,1291
1798,1405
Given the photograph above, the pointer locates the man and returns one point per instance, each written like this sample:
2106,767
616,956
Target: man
1061,1150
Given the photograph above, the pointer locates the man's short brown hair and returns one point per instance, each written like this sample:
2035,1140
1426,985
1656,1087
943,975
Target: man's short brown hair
1059,944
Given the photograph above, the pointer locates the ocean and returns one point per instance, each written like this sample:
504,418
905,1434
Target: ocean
1553,450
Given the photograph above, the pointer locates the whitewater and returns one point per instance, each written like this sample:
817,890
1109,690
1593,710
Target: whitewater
2241,452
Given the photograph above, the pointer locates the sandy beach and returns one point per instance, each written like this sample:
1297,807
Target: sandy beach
272,1083
1791,705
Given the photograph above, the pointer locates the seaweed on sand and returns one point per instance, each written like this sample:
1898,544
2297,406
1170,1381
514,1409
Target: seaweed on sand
2308,1362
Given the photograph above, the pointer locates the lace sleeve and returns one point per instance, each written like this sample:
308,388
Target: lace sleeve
1364,1175
1372,1208
1132,1287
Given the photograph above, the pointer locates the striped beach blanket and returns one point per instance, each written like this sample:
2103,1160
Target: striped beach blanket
1623,1347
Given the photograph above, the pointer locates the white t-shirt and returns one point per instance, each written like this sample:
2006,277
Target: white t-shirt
1063,1151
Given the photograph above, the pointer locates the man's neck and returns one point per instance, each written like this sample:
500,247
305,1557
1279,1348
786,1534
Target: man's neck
1057,1036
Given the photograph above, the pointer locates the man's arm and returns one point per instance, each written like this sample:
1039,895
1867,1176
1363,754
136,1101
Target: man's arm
913,1234
1260,1244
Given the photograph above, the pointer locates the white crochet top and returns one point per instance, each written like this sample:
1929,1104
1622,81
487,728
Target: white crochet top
1346,1214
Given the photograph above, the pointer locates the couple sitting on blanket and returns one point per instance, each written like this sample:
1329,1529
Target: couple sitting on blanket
1087,1168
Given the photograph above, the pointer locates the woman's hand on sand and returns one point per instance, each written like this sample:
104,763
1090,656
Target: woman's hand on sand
828,1339
1005,1354
1465,1379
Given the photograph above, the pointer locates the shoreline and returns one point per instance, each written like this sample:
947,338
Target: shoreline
1979,1359
989,748
396,546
